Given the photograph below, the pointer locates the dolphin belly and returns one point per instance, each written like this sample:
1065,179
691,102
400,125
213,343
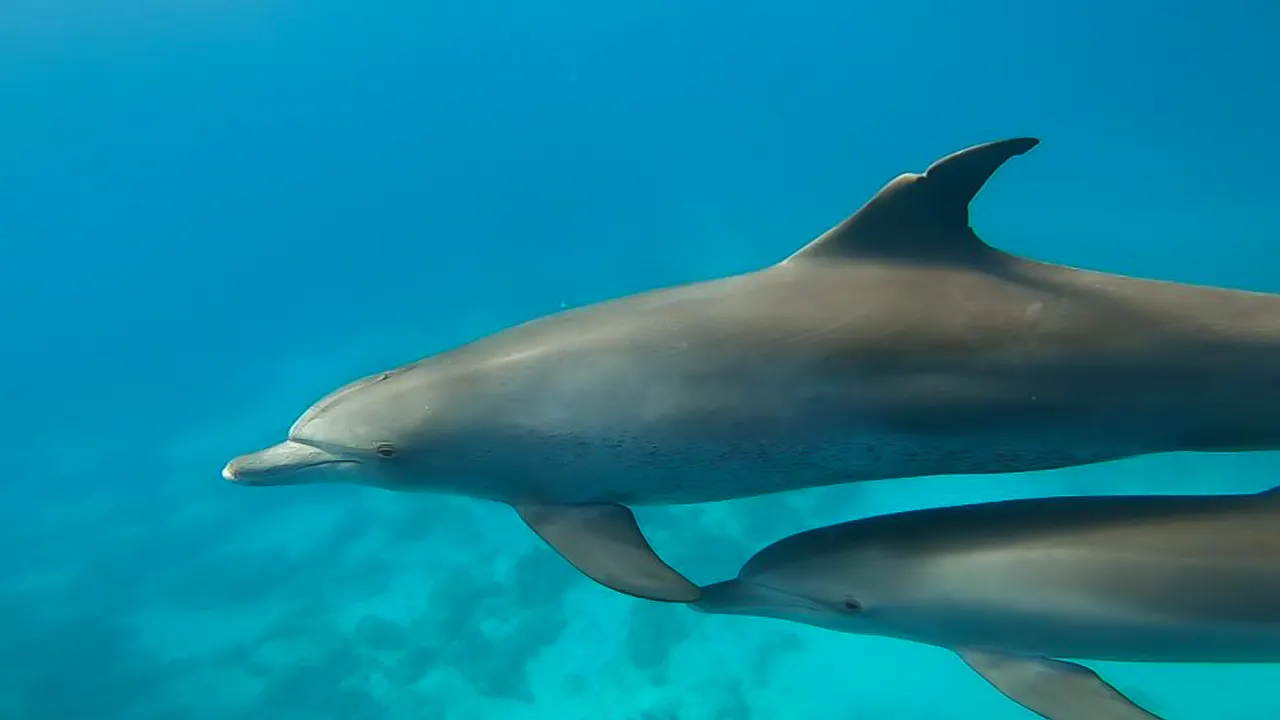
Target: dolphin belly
671,467
717,420
1073,635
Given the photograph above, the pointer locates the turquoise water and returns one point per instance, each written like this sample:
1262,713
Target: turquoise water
213,213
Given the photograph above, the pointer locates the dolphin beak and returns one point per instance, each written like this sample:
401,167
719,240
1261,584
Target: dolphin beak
288,463
740,597
731,597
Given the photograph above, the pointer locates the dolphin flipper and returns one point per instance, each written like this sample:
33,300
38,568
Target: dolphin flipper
1054,689
605,544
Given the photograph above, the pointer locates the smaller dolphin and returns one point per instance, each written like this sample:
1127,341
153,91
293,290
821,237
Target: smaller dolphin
1013,586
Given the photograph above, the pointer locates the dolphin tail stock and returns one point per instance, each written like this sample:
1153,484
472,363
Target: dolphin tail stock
1054,689
605,543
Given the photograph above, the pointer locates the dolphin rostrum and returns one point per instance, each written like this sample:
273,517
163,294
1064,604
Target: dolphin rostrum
1015,586
896,344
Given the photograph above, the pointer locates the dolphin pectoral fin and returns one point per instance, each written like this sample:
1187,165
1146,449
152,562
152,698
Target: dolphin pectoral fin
920,215
605,544
1054,689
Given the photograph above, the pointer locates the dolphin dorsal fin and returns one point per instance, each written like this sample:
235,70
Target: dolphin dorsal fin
923,216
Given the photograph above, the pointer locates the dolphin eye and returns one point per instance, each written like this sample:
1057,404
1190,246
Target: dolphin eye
852,605
384,449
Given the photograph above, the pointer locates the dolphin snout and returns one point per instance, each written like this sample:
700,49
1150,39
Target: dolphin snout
288,463
241,471
730,597
745,597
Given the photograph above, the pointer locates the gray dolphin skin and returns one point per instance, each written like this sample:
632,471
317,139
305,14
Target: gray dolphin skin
1015,586
896,344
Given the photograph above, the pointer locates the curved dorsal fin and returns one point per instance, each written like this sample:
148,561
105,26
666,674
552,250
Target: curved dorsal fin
920,215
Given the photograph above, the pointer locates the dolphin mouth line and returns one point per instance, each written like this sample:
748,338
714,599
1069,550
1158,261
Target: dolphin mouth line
790,600
322,463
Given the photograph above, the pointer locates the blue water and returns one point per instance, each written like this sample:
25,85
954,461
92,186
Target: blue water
214,212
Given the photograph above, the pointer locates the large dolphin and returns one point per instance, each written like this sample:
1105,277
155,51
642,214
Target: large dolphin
896,344
1014,586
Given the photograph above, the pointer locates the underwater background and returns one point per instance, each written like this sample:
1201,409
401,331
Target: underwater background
214,212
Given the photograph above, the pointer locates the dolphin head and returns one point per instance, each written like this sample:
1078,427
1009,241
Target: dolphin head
804,578
374,431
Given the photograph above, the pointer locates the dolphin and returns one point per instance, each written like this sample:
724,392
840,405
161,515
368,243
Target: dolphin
896,344
1013,587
